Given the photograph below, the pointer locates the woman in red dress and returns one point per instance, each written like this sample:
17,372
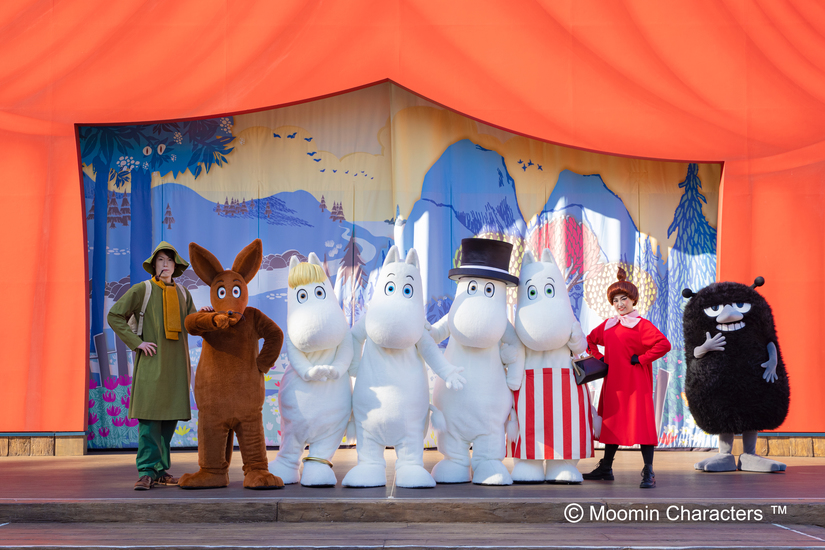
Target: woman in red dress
631,344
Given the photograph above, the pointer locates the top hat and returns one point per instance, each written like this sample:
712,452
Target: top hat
485,258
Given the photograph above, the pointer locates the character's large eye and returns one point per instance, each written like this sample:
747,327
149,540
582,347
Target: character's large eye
549,291
236,291
147,151
389,288
161,148
472,288
742,307
302,296
221,293
489,290
320,293
408,291
713,311
532,292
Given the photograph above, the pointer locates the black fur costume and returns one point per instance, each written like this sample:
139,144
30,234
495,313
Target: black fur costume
725,389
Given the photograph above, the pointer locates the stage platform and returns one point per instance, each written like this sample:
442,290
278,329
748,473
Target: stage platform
89,502
98,488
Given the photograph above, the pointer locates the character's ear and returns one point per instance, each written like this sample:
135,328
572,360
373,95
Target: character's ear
248,261
547,257
293,261
313,259
527,259
412,258
204,263
759,281
688,293
392,255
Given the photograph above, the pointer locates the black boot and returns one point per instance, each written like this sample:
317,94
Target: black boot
648,478
602,472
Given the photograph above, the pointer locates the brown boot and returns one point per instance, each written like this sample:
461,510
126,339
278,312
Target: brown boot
167,479
144,483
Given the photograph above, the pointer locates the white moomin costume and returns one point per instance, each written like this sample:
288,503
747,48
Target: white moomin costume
554,413
391,399
477,324
315,396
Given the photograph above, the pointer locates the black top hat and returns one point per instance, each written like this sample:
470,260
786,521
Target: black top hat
485,258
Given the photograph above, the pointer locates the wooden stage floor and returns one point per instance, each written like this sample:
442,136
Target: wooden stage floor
88,502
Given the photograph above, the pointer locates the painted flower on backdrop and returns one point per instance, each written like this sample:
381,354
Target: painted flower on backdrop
113,410
109,396
104,432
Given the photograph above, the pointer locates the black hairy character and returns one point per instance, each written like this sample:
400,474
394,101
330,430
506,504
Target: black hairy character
726,390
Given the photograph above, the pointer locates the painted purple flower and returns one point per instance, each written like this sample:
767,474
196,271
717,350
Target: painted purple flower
110,383
92,419
91,403
132,422
109,396
113,411
92,385
103,432
125,380
125,401
119,421
129,391
90,436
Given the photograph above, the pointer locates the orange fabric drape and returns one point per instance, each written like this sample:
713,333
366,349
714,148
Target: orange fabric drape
737,81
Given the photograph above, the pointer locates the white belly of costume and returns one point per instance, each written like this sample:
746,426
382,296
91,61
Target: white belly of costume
315,409
484,403
391,398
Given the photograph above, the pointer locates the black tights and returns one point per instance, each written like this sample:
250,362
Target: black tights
610,454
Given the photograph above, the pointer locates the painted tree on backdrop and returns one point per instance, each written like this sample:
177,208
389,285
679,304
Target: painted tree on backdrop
122,156
692,263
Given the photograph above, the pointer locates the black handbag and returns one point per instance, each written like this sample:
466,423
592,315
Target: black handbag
588,369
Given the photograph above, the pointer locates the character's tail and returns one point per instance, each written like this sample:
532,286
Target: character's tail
437,419
597,422
512,427
350,435
230,446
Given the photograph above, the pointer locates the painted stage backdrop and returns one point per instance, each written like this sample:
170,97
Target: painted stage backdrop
349,176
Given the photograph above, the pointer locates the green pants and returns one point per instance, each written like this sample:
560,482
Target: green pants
154,443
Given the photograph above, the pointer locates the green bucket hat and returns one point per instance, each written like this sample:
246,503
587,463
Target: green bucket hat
180,263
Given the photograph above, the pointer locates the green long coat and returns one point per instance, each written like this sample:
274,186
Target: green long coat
160,385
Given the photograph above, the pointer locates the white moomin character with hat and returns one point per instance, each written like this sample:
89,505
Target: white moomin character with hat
391,399
554,413
477,325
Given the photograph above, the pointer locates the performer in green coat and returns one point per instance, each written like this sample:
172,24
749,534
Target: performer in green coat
162,373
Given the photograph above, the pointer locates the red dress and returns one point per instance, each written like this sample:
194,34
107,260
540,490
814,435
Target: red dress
626,402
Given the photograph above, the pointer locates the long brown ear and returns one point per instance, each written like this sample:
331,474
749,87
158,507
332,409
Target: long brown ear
205,264
248,261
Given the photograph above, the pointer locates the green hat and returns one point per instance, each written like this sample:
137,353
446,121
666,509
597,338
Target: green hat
180,263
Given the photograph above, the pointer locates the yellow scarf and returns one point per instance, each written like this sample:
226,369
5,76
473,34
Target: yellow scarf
171,309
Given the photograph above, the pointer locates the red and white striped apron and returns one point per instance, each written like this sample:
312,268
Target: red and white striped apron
554,417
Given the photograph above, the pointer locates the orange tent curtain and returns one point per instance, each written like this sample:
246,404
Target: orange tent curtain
740,82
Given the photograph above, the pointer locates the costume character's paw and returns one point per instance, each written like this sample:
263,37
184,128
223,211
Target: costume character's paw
413,476
287,474
528,471
261,479
317,474
221,320
756,463
720,462
203,480
366,475
447,471
563,472
491,472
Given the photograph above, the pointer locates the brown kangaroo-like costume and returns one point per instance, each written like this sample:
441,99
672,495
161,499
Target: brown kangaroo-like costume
229,383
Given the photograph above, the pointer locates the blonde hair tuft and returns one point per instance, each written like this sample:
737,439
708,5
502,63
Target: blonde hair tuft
305,273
